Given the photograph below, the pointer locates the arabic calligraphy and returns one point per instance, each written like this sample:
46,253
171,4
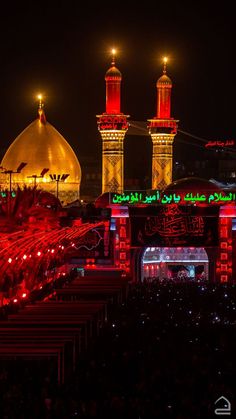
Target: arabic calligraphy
227,143
91,245
216,197
90,240
113,122
156,197
136,197
174,223
113,126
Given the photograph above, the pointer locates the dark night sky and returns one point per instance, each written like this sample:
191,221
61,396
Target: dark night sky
62,49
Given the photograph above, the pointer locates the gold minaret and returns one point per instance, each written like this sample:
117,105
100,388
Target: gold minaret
162,129
112,126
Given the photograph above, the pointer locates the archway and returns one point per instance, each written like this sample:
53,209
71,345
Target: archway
174,263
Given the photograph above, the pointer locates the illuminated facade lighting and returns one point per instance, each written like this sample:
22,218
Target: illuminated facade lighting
162,129
112,126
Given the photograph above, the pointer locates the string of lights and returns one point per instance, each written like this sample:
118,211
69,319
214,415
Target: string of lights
140,128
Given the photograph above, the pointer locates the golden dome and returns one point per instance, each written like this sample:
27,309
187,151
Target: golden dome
41,146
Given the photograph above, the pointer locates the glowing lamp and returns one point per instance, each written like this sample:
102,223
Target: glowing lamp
38,253
15,300
24,257
10,260
24,295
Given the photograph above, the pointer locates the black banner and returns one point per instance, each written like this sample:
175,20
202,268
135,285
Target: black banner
174,225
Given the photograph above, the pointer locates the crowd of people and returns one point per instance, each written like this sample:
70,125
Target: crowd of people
167,352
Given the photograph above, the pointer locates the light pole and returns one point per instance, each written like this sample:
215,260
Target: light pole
58,178
10,172
44,171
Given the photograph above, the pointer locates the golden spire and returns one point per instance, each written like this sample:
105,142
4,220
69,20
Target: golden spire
41,113
40,99
165,59
113,52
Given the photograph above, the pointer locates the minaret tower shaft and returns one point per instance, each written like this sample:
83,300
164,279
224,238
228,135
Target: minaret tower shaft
112,126
162,129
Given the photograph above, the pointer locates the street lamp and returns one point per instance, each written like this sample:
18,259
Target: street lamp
44,171
10,172
59,178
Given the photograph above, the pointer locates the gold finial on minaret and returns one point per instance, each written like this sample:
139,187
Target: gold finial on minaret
41,113
165,59
113,52
40,99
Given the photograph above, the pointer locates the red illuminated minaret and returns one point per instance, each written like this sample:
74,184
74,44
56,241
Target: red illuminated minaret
112,126
163,129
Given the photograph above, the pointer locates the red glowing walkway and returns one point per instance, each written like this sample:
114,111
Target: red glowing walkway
26,258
